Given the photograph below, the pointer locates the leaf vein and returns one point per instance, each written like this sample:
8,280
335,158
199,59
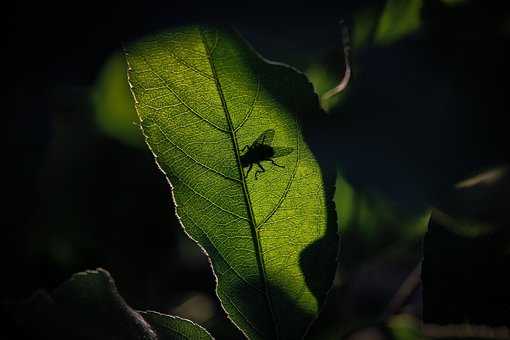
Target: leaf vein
191,157
169,88
207,199
252,106
257,244
287,188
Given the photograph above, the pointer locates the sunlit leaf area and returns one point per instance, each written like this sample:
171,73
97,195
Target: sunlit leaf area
188,171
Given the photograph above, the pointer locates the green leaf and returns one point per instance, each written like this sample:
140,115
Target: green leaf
88,306
171,327
405,327
203,95
399,19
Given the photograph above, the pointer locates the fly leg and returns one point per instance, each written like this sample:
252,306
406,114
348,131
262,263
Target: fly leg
260,170
278,165
245,147
247,172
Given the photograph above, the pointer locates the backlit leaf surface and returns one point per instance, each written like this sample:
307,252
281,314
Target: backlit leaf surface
202,95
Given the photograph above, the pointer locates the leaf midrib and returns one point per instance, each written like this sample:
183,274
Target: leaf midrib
252,221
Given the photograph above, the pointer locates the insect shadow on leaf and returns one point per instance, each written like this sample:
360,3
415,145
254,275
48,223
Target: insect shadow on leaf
262,150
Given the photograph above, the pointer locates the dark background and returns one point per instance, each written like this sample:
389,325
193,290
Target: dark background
423,111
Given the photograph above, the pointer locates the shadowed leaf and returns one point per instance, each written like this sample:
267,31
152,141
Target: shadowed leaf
171,327
88,306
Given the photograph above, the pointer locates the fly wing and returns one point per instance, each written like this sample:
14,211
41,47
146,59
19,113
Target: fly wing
265,137
280,152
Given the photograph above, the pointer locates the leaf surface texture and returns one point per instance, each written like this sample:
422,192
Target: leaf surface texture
203,95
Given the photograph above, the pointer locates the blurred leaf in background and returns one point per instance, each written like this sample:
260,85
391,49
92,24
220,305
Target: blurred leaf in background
367,212
399,18
405,327
88,306
113,104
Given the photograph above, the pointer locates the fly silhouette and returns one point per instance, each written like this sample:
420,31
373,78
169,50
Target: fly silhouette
262,150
